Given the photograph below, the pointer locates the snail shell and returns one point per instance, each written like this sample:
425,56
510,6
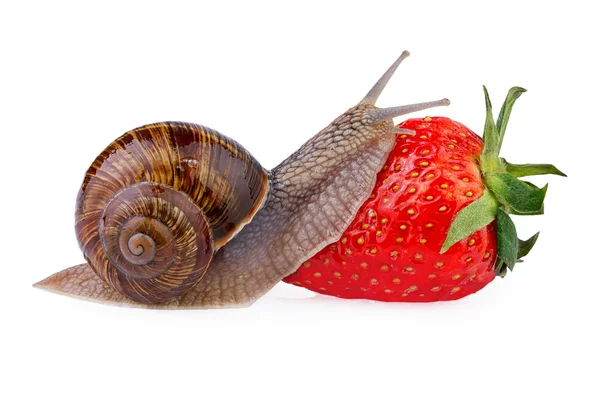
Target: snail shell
159,201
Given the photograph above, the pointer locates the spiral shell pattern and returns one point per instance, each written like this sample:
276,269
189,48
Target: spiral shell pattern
159,201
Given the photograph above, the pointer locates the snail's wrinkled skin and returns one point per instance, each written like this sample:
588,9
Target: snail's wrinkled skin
312,197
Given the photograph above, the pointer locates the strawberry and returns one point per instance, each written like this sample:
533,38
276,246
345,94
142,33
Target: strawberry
436,226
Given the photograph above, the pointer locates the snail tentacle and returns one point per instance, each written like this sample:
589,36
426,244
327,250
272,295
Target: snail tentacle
381,114
377,89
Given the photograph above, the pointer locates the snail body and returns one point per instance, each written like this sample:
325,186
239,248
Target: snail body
176,215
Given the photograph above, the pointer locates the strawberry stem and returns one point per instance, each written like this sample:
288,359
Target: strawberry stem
505,194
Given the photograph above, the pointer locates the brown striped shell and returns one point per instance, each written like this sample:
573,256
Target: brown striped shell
159,201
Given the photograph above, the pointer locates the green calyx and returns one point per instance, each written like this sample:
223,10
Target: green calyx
505,193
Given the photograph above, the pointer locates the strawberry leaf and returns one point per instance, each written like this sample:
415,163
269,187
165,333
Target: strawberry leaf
507,240
491,141
470,219
513,195
538,212
513,94
523,198
519,170
525,246
500,268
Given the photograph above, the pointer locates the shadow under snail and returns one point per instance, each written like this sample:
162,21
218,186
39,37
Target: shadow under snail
177,215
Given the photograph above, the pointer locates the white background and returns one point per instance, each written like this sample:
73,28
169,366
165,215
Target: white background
75,76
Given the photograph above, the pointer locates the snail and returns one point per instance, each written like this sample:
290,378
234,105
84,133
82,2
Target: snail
177,215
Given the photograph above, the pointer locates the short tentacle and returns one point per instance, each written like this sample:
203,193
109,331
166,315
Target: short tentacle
402,131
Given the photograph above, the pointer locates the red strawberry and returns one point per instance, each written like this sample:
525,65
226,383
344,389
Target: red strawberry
415,239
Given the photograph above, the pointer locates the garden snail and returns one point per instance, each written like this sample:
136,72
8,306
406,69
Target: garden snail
177,215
